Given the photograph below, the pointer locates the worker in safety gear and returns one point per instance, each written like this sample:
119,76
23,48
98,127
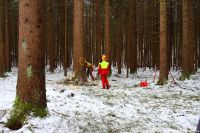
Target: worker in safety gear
89,70
104,70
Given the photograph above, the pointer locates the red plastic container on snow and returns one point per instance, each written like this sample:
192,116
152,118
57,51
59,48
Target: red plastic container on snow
143,84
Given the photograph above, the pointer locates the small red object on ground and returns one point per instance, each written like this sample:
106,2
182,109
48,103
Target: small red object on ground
143,84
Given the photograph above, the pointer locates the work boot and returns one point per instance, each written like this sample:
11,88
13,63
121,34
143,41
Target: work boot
108,87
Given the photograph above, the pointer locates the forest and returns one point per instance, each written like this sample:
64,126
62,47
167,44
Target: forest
108,66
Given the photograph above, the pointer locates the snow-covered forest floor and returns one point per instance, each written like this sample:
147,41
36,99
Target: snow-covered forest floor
123,108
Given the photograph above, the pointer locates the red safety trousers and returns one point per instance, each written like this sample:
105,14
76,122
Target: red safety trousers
104,81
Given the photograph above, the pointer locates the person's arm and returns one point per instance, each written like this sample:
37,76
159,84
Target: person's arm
99,69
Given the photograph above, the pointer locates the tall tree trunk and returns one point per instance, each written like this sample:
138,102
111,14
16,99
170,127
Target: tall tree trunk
119,43
98,33
31,93
51,35
156,31
107,30
163,43
140,34
78,47
14,34
66,40
132,37
44,25
179,33
7,38
2,38
188,40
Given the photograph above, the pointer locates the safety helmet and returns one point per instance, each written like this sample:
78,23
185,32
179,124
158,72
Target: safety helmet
104,57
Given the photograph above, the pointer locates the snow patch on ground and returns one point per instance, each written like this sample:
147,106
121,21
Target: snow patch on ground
123,108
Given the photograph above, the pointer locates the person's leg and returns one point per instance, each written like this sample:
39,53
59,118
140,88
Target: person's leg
88,72
103,81
106,82
91,75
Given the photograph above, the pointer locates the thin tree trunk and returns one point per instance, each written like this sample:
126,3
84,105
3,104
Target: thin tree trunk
7,38
66,40
51,36
2,38
98,33
132,38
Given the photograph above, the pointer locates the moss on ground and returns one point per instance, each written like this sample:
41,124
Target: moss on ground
162,82
184,77
20,111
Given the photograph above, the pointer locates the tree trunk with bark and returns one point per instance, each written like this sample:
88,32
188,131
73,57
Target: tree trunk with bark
107,31
51,35
7,38
2,38
98,33
132,38
78,47
66,41
31,93
188,40
163,43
